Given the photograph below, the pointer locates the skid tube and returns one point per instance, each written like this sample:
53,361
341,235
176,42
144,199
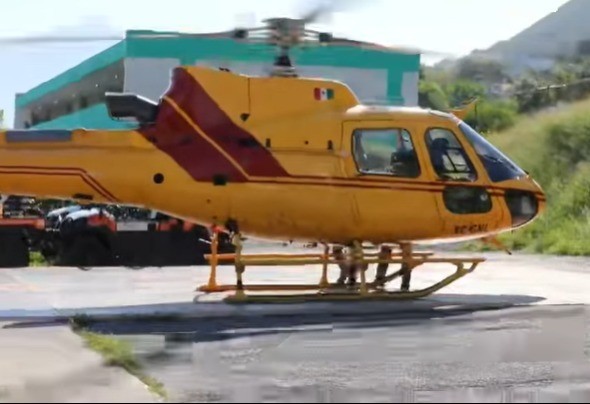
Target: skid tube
324,290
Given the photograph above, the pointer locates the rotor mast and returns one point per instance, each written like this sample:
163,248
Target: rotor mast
285,33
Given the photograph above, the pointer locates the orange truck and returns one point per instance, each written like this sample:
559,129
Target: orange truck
95,235
22,226
98,235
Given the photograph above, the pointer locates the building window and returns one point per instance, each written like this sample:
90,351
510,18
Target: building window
448,157
385,152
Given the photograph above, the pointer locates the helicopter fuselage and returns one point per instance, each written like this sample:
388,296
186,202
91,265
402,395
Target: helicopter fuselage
285,158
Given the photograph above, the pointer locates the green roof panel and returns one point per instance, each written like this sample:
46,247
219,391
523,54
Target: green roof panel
95,63
191,49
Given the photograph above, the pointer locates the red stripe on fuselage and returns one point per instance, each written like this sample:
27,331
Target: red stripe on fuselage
103,191
187,146
87,179
239,144
177,138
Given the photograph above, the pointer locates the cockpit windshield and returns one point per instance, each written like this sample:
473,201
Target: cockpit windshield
499,167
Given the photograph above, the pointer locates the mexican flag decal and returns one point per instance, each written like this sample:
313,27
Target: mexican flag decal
323,94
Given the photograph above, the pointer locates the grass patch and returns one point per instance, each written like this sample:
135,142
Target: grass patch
36,259
120,354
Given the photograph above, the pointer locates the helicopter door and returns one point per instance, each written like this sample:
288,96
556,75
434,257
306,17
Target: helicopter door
466,204
383,159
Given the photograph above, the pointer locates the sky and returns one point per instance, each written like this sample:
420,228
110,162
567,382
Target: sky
450,26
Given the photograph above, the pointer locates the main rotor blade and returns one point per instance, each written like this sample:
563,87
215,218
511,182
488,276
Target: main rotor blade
324,8
392,48
426,52
58,39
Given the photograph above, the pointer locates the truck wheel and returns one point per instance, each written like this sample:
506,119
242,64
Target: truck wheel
86,251
14,252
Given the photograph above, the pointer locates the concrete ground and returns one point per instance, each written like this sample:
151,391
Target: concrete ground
50,364
514,330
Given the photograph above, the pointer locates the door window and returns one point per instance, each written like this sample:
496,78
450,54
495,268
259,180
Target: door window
448,157
385,152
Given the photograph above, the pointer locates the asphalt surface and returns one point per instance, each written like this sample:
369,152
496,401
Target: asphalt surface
514,331
50,364
533,354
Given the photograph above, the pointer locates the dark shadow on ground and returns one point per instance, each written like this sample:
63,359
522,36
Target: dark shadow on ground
203,322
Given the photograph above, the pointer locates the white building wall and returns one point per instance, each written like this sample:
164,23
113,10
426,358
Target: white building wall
149,77
410,84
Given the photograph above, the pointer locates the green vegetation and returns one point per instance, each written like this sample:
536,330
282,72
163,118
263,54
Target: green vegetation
493,116
37,259
554,146
118,353
431,95
444,90
498,109
542,121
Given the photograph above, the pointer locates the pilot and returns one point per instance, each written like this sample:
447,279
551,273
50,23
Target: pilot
439,149
404,164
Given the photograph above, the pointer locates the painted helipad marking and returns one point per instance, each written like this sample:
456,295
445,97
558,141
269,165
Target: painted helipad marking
17,287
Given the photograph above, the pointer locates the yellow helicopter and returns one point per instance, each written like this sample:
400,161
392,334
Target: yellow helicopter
289,158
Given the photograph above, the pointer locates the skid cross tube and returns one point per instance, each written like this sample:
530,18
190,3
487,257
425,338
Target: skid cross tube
346,296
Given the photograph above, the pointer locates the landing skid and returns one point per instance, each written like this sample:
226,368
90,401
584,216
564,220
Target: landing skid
337,292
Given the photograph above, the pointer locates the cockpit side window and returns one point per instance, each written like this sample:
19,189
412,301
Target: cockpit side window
448,157
385,152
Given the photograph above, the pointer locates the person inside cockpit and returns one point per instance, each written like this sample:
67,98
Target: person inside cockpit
385,152
439,151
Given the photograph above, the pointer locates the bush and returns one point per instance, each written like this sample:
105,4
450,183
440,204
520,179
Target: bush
464,91
432,96
493,116
555,148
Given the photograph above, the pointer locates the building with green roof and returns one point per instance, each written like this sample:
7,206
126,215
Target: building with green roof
141,64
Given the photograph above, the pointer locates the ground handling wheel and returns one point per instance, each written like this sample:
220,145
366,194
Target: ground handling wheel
85,251
14,250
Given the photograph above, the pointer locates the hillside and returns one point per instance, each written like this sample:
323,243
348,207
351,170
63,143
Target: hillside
555,148
557,34
564,33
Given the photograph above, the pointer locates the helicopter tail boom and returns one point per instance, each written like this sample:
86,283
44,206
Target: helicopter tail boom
66,164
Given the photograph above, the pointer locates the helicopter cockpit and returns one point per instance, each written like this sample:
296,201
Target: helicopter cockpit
448,157
390,151
498,166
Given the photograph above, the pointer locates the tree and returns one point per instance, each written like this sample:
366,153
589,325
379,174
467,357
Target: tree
432,96
480,70
464,91
493,116
527,95
439,75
